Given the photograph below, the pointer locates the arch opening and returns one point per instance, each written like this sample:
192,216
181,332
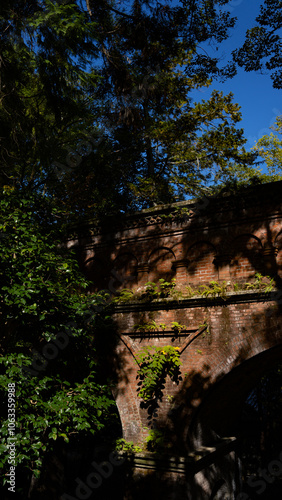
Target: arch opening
247,404
260,433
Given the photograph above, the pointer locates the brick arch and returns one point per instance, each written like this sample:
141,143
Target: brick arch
125,265
201,266
160,263
129,413
125,392
221,407
96,270
245,257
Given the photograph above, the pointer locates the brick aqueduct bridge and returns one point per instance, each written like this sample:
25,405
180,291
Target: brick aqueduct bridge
228,342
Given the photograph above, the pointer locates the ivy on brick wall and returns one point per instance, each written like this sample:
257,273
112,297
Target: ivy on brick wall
156,363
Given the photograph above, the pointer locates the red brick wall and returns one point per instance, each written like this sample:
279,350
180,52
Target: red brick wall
231,239
219,243
236,332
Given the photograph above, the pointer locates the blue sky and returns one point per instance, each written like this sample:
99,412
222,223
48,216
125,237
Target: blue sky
260,103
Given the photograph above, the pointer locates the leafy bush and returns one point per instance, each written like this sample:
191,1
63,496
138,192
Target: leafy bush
48,335
127,446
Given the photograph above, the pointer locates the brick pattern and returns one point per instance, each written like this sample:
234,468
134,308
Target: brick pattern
232,239
236,333
220,258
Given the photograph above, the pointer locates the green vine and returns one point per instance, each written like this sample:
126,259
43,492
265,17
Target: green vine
156,441
156,363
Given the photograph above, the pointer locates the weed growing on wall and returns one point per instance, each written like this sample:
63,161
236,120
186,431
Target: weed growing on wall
166,290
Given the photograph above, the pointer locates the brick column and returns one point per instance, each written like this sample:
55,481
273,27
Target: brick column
269,258
222,262
181,274
143,273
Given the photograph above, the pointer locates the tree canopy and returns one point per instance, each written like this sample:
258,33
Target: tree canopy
44,99
269,147
261,50
96,105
